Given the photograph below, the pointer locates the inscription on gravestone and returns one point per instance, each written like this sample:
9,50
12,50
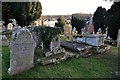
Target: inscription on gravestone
21,52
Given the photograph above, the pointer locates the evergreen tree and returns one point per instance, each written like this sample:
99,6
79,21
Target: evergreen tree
6,15
23,12
77,23
99,20
113,20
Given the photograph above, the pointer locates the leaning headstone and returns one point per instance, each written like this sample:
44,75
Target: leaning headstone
21,52
118,38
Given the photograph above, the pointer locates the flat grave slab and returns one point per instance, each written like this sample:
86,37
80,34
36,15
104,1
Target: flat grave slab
74,46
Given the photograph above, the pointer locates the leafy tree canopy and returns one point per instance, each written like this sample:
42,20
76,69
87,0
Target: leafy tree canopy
99,20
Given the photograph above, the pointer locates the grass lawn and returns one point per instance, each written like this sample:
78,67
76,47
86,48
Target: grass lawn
62,38
98,66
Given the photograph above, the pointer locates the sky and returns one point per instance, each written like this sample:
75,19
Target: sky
68,7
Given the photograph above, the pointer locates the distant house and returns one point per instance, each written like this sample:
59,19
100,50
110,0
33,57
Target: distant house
37,22
82,16
47,21
50,20
50,23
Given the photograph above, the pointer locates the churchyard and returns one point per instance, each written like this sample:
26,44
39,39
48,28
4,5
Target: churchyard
45,52
77,45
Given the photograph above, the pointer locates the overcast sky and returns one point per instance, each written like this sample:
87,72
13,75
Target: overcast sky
65,7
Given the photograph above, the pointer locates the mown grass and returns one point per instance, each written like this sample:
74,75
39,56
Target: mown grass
97,66
62,38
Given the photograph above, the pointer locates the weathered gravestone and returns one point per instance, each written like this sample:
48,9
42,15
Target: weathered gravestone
54,46
21,52
15,29
55,42
118,38
10,26
74,32
94,40
68,32
3,40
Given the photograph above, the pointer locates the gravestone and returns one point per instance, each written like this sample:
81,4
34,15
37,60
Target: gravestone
82,31
10,26
3,40
90,29
14,22
94,40
74,32
14,31
99,31
68,32
106,33
21,52
118,38
55,43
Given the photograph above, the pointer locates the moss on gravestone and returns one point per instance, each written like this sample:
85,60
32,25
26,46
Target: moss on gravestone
45,34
